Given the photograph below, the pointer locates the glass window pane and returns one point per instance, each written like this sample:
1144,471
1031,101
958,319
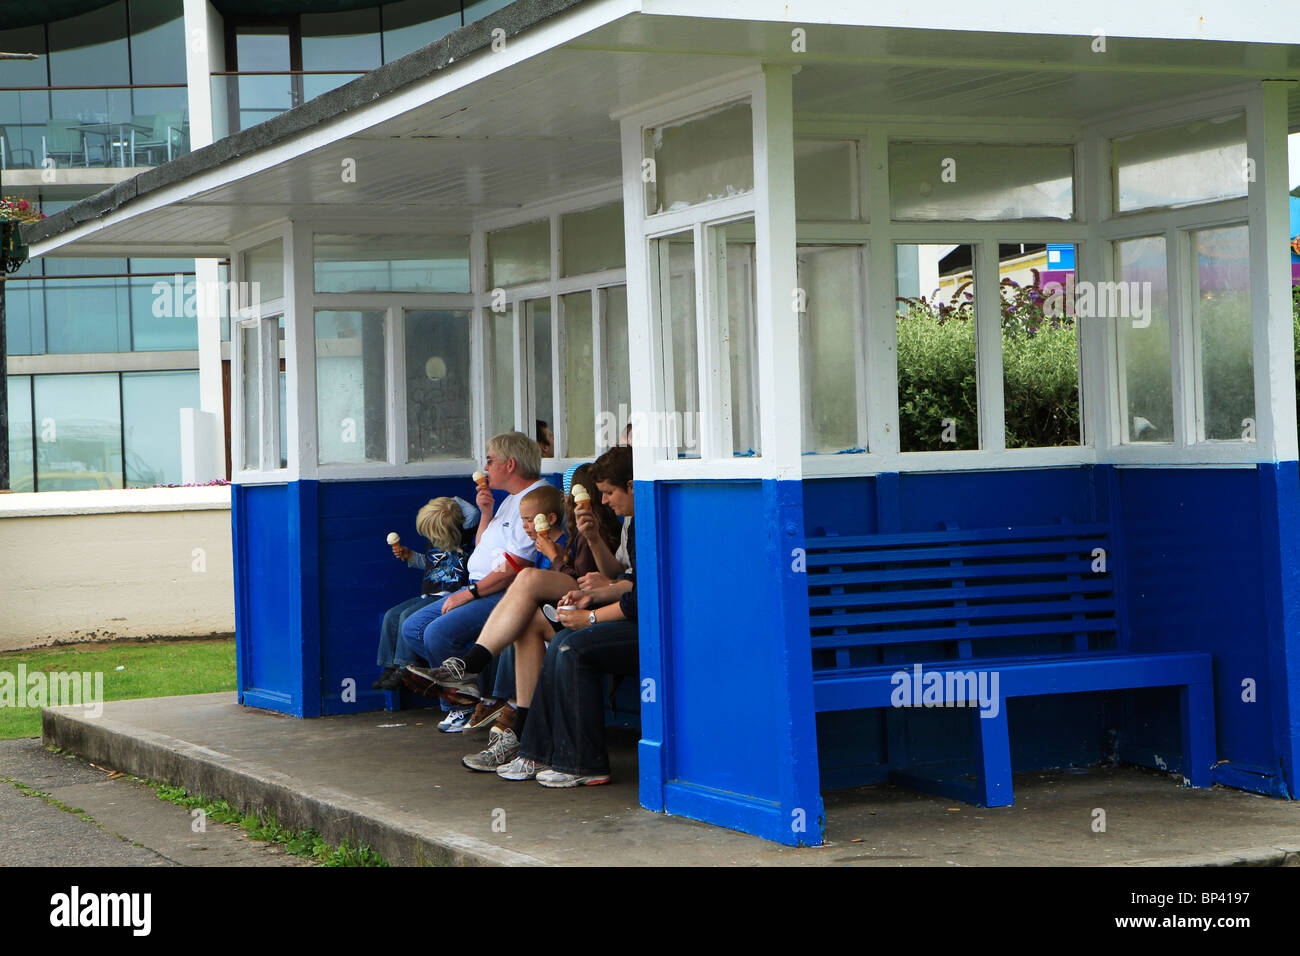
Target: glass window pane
674,266
247,336
736,325
592,240
1040,351
937,394
151,404
1141,269
164,316
25,316
831,334
261,49
825,172
437,385
21,470
706,157
1225,339
264,265
391,263
1203,161
341,41
24,72
79,432
87,315
501,329
478,9
157,42
284,418
23,115
617,378
411,24
537,315
579,376
90,49
519,254
951,181
351,387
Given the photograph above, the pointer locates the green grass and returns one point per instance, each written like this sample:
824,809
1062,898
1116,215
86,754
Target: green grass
149,669
266,828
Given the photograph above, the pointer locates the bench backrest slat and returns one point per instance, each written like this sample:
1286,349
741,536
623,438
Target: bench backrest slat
963,586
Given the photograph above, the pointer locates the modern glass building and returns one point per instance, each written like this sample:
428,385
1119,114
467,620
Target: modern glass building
104,352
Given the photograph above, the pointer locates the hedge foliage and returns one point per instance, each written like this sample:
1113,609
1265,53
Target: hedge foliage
936,370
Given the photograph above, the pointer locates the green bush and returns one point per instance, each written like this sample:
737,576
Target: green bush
936,370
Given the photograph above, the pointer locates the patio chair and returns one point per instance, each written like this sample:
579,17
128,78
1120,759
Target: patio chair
61,141
166,136
8,151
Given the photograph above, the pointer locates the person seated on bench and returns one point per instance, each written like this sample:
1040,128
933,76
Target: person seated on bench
442,522
562,744
517,620
450,624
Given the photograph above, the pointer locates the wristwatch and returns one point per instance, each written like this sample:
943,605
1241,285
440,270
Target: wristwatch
591,618
473,589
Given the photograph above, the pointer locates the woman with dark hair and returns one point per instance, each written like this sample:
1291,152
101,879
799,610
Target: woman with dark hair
563,743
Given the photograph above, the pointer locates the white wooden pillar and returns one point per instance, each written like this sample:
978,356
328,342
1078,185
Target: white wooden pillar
1270,271
780,385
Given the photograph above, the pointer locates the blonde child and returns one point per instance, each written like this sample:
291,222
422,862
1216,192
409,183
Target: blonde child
442,522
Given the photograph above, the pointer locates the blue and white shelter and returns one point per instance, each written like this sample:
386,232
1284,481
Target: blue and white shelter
703,215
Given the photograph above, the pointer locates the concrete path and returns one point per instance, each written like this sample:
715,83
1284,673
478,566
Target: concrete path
121,823
394,782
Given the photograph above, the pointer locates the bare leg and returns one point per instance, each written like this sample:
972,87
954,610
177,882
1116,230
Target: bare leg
514,611
530,651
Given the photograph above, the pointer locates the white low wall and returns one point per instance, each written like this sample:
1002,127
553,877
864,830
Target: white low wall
95,565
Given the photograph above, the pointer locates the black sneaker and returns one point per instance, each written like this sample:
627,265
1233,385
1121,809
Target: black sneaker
391,679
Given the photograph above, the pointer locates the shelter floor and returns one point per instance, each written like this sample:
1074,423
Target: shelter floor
402,790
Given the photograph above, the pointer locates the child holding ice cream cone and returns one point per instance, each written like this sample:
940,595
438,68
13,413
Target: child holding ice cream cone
442,522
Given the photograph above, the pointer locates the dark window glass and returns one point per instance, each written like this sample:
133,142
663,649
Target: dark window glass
157,41
412,24
341,41
90,49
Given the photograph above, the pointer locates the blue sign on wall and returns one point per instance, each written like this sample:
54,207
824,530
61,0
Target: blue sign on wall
1060,257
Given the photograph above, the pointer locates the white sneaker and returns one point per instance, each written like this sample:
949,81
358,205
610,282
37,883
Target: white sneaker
502,750
456,721
558,780
521,768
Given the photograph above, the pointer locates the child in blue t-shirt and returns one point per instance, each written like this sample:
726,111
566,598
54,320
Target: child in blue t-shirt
444,523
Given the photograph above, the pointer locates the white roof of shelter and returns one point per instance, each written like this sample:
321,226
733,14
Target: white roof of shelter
458,130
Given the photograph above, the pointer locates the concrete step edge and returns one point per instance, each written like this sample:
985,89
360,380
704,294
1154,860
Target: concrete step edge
402,838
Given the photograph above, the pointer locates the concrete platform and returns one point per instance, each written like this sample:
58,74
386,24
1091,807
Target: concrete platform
394,782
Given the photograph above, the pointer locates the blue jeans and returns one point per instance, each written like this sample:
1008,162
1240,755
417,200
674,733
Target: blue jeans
566,722
438,636
393,651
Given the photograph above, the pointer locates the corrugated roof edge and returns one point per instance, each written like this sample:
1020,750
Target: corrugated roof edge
451,49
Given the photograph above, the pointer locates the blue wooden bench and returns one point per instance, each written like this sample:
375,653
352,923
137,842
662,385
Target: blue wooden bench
1031,605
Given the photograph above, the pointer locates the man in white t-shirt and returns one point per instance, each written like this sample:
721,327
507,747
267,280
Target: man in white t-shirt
449,625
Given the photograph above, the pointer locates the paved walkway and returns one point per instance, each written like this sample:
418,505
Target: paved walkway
394,782
92,818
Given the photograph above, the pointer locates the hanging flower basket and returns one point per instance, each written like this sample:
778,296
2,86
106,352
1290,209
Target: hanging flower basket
13,213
